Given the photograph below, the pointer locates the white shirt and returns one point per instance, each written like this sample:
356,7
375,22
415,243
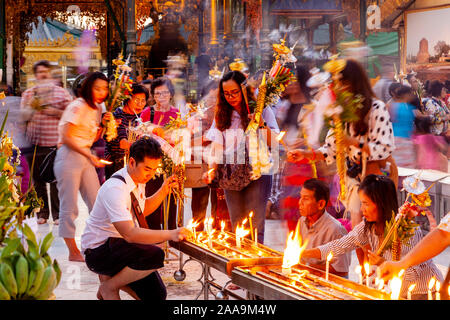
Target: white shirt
113,204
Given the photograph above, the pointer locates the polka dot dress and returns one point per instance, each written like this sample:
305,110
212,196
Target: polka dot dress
380,137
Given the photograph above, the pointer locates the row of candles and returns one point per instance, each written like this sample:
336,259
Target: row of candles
241,231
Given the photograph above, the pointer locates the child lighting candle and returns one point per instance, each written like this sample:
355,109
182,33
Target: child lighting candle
329,257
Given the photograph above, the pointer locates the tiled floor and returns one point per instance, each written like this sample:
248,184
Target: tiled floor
79,283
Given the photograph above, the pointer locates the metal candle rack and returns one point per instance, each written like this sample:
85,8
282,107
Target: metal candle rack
257,269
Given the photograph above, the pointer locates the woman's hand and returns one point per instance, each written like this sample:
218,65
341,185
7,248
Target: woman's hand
296,155
388,269
169,183
108,116
374,259
251,116
96,161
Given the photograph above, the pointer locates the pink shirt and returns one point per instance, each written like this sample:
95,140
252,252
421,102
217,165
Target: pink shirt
429,155
164,117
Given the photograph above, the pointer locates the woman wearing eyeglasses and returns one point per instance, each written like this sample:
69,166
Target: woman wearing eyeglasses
162,91
234,109
116,149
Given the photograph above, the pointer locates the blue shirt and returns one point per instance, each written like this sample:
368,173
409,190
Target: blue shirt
402,119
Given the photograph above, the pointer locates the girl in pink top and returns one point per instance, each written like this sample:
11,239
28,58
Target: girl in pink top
431,150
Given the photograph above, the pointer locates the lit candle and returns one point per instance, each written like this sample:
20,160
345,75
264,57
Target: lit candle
222,226
329,257
410,289
438,288
395,285
367,269
256,237
380,284
238,239
251,224
358,270
430,287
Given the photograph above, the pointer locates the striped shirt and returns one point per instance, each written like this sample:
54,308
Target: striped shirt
361,236
113,150
42,129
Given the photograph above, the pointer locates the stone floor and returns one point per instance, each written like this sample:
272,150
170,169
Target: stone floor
79,283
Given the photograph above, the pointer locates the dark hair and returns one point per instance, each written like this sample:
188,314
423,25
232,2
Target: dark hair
145,147
381,190
224,109
403,90
88,84
211,85
447,84
355,75
42,63
147,81
320,188
158,82
409,76
435,88
423,125
302,77
138,88
393,87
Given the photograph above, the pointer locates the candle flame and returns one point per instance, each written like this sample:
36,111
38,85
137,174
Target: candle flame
250,214
380,284
222,226
411,287
431,283
396,285
192,224
358,269
281,135
329,256
294,248
438,286
241,231
245,221
366,267
211,171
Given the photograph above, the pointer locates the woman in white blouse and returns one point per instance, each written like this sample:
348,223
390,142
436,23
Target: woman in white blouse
379,199
371,135
80,126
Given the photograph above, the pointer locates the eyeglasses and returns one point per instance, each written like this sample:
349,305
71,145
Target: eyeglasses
161,93
139,101
233,94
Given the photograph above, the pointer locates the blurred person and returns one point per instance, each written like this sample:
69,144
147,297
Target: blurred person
203,63
402,117
162,91
435,107
431,150
81,124
128,115
232,116
372,134
318,227
42,107
381,88
119,250
378,197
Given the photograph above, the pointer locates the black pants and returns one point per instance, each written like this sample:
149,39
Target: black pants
199,203
156,219
40,186
115,254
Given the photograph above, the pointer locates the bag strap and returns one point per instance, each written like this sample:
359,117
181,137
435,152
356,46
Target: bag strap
152,114
135,207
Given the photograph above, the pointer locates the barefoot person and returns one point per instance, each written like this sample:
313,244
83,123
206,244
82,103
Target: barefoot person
115,247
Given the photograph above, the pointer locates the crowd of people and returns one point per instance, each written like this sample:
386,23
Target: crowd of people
400,124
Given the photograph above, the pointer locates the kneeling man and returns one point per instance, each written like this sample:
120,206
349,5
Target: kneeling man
114,245
319,227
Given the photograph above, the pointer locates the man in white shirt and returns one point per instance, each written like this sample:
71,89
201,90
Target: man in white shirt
318,227
114,245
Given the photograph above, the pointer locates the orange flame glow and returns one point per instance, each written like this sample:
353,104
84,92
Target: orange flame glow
281,135
294,248
395,285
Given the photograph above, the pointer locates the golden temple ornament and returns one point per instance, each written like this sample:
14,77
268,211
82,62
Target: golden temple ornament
238,65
